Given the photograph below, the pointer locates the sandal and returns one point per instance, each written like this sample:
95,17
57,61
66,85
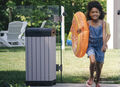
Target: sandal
88,84
98,85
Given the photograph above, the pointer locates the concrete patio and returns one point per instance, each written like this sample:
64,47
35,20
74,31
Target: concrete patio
79,85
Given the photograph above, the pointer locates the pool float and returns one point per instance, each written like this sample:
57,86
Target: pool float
80,34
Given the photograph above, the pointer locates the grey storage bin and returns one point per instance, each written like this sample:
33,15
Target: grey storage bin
40,56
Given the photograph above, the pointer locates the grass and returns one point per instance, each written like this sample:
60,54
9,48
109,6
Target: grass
75,70
12,67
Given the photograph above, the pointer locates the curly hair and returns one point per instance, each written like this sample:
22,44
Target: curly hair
97,5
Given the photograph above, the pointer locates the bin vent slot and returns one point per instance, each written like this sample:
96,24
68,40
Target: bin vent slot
118,12
58,67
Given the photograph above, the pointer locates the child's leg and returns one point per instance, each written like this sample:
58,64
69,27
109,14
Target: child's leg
98,71
92,65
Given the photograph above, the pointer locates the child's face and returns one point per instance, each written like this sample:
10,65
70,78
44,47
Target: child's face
94,14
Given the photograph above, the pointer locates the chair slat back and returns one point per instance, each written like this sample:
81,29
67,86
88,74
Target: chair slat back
14,29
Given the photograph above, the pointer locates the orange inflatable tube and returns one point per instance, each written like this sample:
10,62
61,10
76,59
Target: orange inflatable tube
80,34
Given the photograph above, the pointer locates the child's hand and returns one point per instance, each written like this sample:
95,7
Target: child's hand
79,31
104,47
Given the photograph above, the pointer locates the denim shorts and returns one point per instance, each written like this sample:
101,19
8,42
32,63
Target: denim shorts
99,55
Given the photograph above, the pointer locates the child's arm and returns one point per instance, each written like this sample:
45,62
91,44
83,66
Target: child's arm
107,32
104,38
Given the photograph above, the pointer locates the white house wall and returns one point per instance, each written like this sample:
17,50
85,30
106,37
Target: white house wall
110,12
116,35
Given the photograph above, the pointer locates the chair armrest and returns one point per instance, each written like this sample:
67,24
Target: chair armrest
2,33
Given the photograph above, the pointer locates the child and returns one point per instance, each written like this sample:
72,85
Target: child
98,37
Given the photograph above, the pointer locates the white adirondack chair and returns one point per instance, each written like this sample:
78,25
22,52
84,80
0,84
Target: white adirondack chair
43,24
14,37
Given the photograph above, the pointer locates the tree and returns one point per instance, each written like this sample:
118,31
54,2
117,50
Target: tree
10,6
71,6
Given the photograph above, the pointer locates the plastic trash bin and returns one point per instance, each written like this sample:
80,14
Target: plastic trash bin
40,46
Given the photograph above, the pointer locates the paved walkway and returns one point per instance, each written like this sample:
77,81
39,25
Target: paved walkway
79,85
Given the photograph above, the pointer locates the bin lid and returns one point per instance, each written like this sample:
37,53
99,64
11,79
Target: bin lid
39,32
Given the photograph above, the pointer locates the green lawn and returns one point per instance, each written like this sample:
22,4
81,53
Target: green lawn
75,70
